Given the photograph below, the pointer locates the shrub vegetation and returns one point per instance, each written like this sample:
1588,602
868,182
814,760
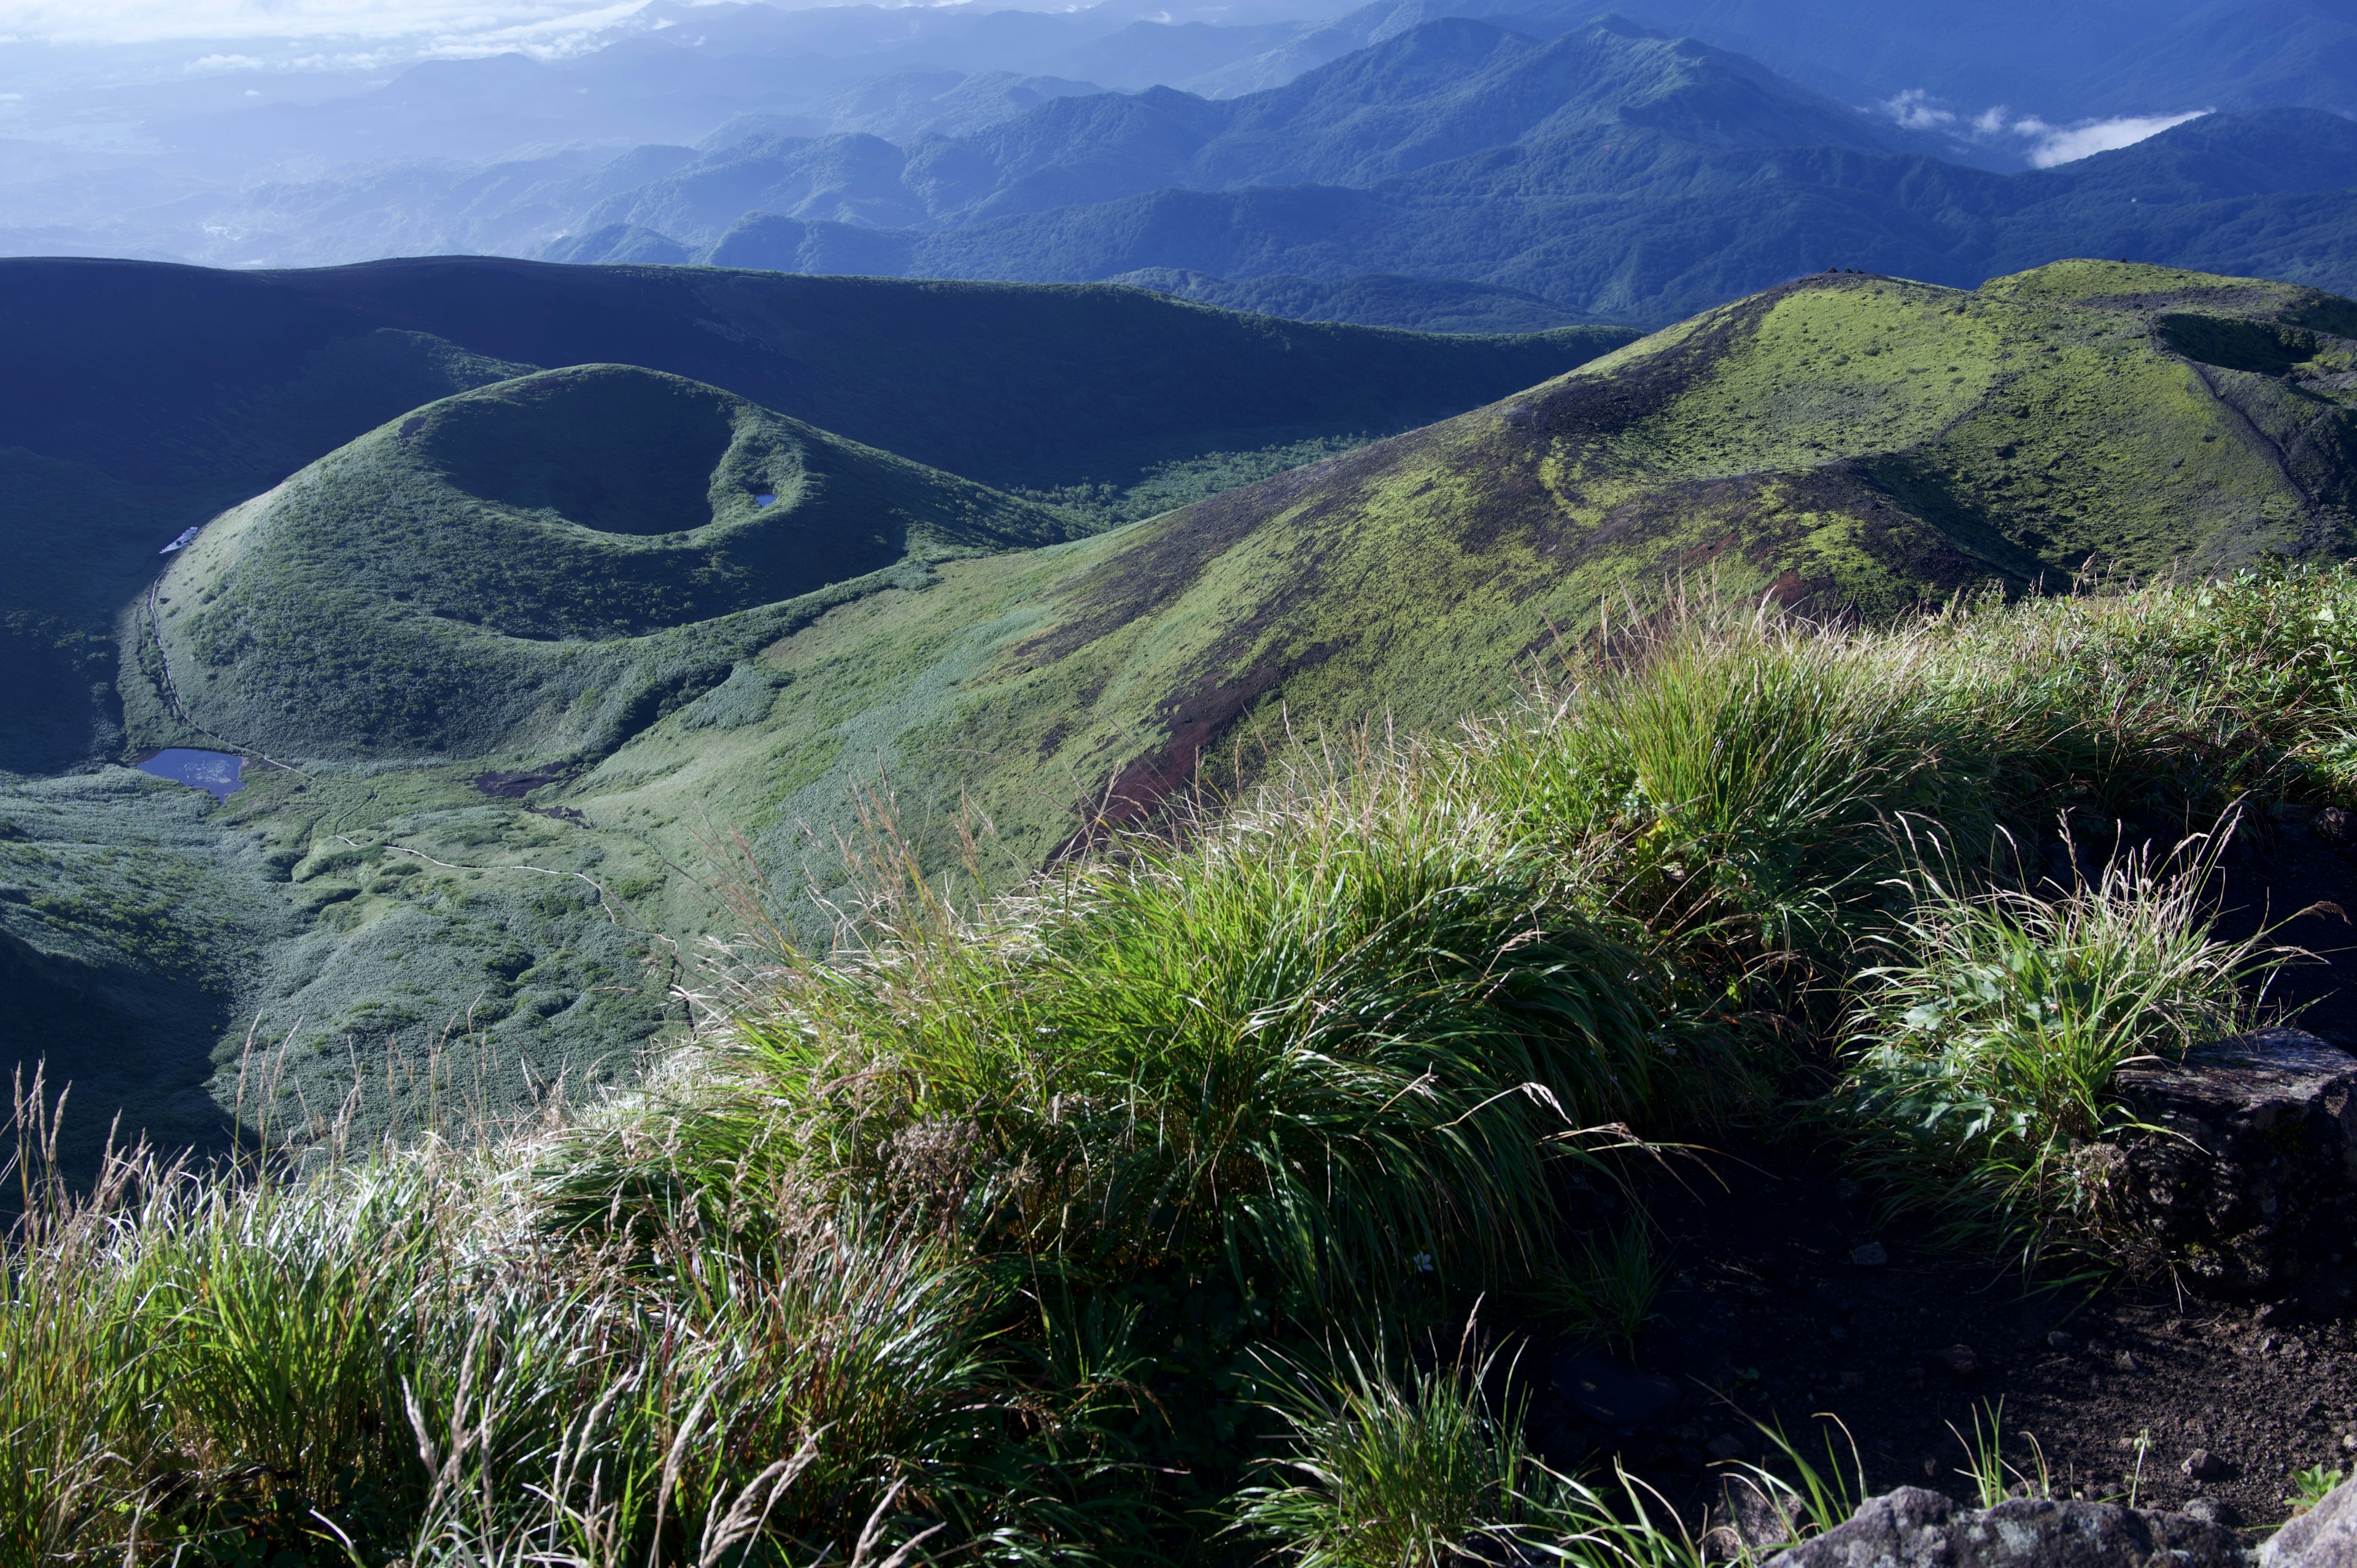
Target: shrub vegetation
1115,1219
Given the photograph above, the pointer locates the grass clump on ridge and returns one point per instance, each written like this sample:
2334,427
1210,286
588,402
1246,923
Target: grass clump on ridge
372,1363
1417,1470
1004,1232
1983,1053
1333,1039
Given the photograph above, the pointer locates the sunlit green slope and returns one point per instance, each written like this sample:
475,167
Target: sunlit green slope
538,669
1849,442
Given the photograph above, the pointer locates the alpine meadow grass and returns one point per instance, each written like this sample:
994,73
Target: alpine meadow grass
1387,1468
1086,1224
1983,1053
1331,1041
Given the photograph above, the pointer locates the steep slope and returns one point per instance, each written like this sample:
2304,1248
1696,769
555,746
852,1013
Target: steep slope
1846,441
546,562
145,398
1320,43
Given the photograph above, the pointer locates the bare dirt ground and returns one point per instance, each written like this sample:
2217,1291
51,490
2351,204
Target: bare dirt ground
1770,1317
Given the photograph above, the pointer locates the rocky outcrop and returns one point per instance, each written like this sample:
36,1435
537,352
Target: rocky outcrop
2323,1537
1912,1527
2253,1174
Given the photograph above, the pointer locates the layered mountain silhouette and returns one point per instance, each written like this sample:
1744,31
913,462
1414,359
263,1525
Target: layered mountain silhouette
310,161
1437,93
1607,170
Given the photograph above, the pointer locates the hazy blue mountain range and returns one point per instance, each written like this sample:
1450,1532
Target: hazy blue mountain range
263,156
1442,91
2061,61
1687,179
1605,171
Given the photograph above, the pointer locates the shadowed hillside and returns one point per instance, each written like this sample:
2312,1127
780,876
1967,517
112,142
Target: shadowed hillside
146,398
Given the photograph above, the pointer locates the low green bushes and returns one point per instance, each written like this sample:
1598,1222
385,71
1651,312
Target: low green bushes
903,1254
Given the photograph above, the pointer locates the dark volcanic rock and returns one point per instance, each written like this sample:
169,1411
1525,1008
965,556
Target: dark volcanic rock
2204,1465
2323,1537
1912,1527
2257,1170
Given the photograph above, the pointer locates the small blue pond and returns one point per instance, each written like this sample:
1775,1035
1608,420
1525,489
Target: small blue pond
215,772
764,498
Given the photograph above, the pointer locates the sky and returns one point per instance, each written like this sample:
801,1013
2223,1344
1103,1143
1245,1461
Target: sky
148,21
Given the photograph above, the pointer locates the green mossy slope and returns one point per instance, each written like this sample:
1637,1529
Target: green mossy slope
544,690
541,563
1848,441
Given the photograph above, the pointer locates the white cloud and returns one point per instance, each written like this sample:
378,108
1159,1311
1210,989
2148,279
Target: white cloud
2050,144
2062,145
143,21
1918,111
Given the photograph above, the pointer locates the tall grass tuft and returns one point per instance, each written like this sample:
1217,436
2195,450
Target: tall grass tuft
1383,1470
1331,1042
1982,1056
77,1431
1752,771
393,1358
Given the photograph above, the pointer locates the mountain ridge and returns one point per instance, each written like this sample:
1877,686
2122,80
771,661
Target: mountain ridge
151,397
1636,226
1438,91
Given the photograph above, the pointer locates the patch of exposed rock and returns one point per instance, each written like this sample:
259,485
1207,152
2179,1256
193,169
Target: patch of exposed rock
1912,1527
2253,1175
2323,1537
